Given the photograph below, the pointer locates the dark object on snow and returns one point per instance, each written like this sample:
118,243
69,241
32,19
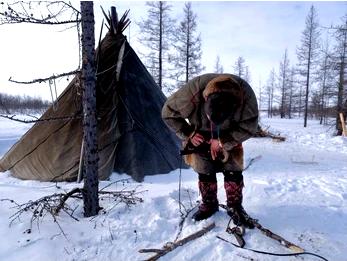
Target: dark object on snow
265,133
132,138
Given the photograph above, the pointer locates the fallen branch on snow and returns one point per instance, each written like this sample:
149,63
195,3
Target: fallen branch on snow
170,246
52,205
261,133
183,219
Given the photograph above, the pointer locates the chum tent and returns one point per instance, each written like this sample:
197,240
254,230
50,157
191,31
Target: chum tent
132,138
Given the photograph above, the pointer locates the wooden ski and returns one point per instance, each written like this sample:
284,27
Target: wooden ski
270,234
170,246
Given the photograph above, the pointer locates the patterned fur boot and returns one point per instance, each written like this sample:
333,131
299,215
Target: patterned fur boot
209,205
234,202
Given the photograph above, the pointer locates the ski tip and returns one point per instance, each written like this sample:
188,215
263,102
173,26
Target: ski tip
296,249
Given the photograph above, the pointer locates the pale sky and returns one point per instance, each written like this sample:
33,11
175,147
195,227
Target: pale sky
258,31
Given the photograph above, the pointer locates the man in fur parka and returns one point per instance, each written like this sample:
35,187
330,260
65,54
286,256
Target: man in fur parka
213,114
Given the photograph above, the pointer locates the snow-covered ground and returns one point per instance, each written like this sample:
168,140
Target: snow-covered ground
296,188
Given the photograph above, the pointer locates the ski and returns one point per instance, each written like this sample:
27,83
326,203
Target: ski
237,232
170,246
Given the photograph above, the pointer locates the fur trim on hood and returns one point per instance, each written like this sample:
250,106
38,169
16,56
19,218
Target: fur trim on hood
223,83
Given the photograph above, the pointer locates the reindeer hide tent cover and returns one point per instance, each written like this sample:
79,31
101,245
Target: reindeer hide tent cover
132,138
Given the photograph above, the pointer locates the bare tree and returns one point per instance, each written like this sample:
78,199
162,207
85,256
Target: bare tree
38,12
284,79
247,75
325,78
90,154
218,67
156,35
291,91
10,104
261,96
45,13
240,67
269,90
188,46
307,53
54,10
340,57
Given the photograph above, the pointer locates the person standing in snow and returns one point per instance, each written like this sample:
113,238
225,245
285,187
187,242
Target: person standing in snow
213,114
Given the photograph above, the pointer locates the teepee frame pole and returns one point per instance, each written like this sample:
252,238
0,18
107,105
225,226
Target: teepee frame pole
80,167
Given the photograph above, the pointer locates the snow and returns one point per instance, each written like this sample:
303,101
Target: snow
296,188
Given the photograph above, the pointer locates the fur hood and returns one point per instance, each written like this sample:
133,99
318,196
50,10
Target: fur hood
223,83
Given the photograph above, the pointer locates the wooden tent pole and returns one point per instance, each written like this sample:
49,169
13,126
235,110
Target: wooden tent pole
80,167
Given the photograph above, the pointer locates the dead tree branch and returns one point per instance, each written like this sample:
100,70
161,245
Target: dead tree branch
56,203
261,133
13,118
53,77
183,219
39,12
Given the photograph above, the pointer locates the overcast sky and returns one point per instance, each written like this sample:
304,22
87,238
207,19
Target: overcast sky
258,31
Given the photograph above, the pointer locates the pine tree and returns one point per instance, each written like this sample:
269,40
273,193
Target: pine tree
156,35
307,53
188,46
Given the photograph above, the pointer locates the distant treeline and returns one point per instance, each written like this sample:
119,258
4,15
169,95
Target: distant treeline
10,104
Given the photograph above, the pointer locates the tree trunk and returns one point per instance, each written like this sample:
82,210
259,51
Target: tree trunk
160,80
90,169
307,85
340,84
322,110
187,48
